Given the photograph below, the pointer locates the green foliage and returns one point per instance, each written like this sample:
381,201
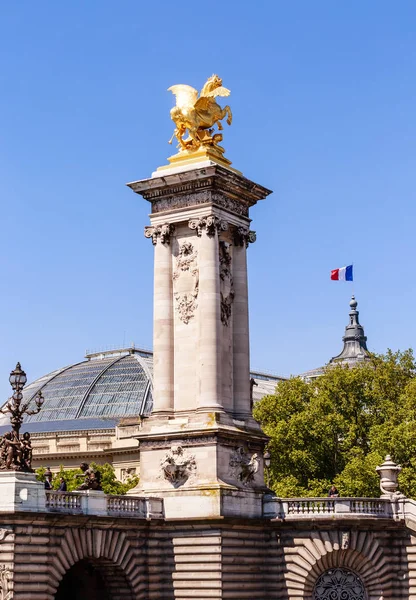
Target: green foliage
338,427
75,477
40,474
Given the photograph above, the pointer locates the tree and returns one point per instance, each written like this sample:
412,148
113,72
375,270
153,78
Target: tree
338,427
74,477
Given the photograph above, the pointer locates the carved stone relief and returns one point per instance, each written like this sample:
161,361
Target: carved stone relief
186,282
243,466
226,282
243,236
190,441
5,578
161,232
178,465
203,197
5,535
210,223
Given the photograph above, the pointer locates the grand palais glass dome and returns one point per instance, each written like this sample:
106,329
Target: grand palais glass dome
101,390
98,391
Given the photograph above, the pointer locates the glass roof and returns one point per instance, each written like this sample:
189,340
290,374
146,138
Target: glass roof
105,387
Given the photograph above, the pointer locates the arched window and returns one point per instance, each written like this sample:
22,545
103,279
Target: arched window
339,584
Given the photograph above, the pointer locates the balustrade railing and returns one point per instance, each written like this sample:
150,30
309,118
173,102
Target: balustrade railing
368,506
126,505
310,507
98,503
63,501
306,508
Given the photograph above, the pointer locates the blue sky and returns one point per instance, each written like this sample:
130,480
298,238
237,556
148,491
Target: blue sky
323,96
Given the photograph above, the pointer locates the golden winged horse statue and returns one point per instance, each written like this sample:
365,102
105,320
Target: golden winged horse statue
198,116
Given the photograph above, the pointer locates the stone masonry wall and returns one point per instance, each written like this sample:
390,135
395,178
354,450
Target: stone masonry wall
204,559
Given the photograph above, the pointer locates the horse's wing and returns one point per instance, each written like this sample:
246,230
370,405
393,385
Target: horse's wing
219,91
186,95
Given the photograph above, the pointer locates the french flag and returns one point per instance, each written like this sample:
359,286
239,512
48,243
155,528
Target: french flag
342,274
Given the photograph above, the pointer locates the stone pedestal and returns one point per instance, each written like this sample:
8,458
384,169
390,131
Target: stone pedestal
93,502
21,492
201,449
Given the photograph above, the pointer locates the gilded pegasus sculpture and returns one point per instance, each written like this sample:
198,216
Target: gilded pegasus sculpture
199,116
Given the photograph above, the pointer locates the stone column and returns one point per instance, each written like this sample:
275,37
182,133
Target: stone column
241,342
209,312
162,319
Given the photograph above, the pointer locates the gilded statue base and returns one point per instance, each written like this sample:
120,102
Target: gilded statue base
187,158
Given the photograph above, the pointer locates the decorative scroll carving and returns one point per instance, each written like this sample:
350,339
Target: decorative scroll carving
226,282
4,534
339,584
162,232
243,466
5,577
211,224
243,236
186,282
178,465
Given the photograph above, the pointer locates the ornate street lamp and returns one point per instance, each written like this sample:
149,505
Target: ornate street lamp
17,452
267,461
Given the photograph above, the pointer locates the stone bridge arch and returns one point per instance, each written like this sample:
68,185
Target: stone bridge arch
117,557
308,557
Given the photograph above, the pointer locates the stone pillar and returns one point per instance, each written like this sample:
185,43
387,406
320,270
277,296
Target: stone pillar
162,319
201,450
209,310
241,343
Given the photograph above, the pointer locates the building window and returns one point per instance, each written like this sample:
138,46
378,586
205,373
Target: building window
339,584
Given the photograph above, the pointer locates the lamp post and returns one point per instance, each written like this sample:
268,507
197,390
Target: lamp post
267,461
18,452
14,405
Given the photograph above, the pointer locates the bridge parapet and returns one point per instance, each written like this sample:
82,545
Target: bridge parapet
97,503
294,509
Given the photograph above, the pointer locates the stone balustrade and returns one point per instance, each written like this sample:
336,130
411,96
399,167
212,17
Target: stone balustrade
67,502
98,503
132,506
306,508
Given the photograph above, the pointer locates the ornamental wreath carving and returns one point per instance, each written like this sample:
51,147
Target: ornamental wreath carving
178,465
211,224
161,232
243,466
186,282
226,282
5,577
